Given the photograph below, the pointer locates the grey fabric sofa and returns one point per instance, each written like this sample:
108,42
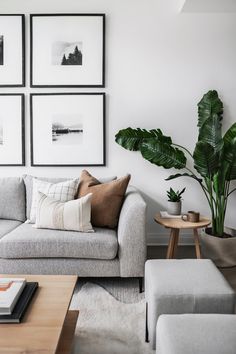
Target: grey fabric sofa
105,253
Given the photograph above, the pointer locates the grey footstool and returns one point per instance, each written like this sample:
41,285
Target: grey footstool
205,334
184,286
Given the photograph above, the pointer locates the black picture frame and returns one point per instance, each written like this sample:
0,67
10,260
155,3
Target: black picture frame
62,85
61,94
22,83
22,131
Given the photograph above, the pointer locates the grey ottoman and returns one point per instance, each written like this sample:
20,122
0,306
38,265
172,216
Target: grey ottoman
184,286
205,334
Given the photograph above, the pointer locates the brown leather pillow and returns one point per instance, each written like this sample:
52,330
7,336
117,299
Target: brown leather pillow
106,200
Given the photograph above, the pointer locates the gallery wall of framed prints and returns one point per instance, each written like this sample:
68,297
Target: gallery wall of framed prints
66,51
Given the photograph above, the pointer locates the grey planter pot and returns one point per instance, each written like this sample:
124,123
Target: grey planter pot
222,251
174,208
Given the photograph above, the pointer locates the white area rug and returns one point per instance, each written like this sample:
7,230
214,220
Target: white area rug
108,326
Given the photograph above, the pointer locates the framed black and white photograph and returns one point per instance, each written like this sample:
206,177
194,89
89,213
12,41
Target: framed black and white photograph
12,50
67,129
12,141
67,50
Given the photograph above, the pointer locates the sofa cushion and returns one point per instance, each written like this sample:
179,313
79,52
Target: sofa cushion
12,192
107,198
74,215
28,180
28,242
62,191
7,226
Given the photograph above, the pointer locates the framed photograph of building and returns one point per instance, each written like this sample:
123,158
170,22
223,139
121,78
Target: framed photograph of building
12,128
12,50
67,50
67,129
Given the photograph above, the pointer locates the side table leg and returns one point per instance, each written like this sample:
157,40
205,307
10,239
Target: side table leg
197,244
176,242
171,244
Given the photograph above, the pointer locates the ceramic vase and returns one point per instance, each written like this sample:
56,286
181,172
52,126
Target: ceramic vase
174,208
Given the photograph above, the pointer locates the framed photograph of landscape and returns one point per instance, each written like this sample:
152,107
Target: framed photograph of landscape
67,50
67,129
12,130
12,50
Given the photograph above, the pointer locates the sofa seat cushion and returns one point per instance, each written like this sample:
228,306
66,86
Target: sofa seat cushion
28,242
7,226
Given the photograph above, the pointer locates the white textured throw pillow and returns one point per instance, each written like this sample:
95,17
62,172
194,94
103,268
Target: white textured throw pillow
74,215
63,191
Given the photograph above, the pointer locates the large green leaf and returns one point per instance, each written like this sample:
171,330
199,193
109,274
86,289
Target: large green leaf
162,154
209,106
206,161
210,132
219,179
131,139
229,153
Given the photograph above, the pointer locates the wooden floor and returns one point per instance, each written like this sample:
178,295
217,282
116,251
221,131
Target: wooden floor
189,252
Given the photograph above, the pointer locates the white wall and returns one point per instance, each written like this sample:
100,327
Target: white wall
208,6
158,65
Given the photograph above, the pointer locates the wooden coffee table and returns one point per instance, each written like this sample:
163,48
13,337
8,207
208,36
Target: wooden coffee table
48,326
175,225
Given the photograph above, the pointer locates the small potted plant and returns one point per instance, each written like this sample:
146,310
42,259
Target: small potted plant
174,201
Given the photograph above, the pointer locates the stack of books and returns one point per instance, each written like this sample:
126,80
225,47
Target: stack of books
15,296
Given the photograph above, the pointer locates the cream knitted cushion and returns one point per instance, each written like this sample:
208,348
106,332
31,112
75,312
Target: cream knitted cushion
73,215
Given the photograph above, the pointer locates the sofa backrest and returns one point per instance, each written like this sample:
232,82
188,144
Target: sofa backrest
12,199
28,180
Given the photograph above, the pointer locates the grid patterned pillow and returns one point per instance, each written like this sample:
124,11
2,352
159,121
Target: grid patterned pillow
63,192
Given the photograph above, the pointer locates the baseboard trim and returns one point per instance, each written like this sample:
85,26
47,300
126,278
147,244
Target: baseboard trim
154,239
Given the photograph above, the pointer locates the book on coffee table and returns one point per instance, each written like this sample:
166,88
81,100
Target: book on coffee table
21,305
165,215
10,291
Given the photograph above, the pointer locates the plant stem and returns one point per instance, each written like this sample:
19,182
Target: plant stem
233,190
182,147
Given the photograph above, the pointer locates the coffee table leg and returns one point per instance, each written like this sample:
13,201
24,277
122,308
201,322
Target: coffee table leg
197,244
171,244
66,339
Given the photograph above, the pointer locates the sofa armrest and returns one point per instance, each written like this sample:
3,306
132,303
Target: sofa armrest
132,235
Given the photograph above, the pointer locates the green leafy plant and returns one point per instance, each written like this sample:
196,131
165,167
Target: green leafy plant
174,196
214,156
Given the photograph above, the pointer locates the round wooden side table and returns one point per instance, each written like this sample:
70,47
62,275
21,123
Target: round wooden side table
175,225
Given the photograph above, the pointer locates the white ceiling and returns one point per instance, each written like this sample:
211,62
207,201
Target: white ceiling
208,6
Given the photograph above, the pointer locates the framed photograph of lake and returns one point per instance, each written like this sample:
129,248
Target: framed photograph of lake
67,129
67,50
12,127
12,50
